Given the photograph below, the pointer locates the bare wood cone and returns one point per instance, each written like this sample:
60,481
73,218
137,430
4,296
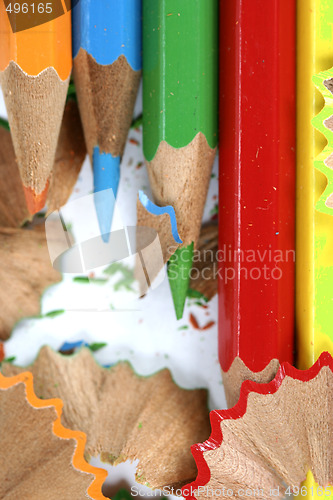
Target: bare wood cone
147,269
274,444
180,178
205,263
126,416
116,84
70,155
35,124
162,226
25,273
13,208
239,372
69,158
37,462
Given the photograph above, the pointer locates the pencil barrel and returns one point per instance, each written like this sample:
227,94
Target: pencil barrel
180,49
257,184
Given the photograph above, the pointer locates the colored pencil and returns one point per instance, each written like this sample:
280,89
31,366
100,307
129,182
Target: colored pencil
107,71
180,117
35,66
314,241
314,270
257,189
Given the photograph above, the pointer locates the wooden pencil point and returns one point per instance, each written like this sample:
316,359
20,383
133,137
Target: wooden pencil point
156,256
180,114
180,177
107,72
35,202
106,96
70,155
179,273
35,66
35,139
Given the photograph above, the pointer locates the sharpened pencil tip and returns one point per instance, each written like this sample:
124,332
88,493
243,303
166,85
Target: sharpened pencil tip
106,237
35,202
104,206
106,181
179,274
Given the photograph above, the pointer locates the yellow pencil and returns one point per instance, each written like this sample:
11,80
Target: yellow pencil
314,238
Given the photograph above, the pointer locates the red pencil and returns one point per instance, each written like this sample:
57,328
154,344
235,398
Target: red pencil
257,189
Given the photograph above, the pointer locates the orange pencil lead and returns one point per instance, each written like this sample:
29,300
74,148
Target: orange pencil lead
35,202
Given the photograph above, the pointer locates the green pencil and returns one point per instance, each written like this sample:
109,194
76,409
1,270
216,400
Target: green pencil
180,68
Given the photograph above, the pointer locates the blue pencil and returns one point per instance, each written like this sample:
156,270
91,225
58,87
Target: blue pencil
107,71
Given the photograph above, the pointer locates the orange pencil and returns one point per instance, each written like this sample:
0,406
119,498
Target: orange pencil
35,66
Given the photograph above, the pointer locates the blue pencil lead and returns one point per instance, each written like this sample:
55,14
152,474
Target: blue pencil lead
106,181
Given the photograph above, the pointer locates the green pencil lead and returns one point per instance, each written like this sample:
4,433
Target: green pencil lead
184,327
71,93
214,210
86,279
53,314
179,273
194,294
137,122
122,495
97,346
4,123
9,360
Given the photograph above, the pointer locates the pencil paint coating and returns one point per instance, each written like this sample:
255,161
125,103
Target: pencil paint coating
180,72
108,30
257,182
38,48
